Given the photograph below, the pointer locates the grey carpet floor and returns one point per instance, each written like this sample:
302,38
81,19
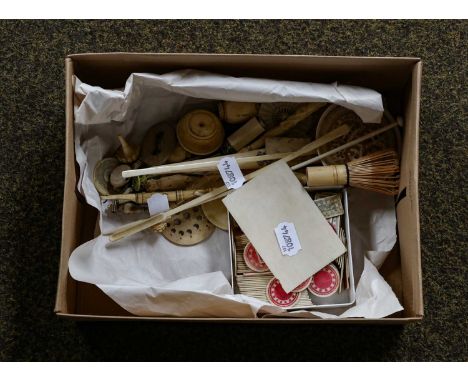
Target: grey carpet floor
32,171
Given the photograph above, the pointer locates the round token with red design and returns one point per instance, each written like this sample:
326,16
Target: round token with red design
253,260
277,296
302,286
325,282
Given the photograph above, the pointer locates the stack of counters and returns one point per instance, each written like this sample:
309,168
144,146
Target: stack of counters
325,282
256,286
303,286
278,297
253,260
241,241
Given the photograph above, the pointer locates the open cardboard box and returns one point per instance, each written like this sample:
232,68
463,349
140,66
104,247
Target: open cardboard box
398,79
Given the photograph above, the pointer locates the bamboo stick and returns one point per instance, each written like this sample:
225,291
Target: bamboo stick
222,191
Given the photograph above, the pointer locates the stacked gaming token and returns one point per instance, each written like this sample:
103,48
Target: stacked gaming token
267,288
254,279
325,282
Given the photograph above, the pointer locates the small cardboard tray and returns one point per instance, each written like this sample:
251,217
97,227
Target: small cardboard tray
307,301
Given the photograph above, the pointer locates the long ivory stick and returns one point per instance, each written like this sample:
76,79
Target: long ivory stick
172,196
204,165
188,166
345,146
219,192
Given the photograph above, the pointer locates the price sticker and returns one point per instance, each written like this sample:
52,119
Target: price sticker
287,239
158,203
231,173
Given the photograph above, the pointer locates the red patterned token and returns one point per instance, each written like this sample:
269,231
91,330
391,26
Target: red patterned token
253,259
277,296
325,282
302,286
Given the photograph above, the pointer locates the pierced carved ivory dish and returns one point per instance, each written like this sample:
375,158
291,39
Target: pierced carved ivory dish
188,227
335,116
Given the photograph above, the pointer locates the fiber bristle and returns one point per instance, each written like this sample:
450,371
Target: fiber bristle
376,172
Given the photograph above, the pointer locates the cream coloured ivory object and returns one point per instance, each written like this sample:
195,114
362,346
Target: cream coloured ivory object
246,134
200,132
283,199
327,176
200,165
237,112
378,172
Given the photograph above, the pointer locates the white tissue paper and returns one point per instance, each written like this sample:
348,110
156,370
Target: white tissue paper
146,274
373,234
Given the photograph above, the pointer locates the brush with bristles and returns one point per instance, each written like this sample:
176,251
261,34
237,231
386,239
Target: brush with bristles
377,172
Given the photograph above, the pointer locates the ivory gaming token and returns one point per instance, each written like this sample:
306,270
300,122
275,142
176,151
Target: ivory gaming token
253,260
302,286
325,282
277,296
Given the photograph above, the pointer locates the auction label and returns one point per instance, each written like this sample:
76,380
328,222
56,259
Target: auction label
287,239
231,173
158,203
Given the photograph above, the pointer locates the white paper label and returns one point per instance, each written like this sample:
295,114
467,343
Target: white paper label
287,239
107,206
230,172
158,203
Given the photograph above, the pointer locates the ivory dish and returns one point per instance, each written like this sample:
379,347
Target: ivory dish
335,116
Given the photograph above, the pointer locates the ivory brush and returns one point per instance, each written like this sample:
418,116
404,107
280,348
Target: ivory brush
219,192
377,172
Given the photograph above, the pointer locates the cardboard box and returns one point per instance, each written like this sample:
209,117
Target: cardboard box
398,79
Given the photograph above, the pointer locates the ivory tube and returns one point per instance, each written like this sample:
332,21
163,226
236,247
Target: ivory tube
327,176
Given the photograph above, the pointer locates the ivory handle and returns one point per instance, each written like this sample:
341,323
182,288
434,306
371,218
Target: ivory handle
172,196
327,176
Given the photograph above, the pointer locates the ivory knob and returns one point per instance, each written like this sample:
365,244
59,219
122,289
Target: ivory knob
237,112
200,132
246,134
